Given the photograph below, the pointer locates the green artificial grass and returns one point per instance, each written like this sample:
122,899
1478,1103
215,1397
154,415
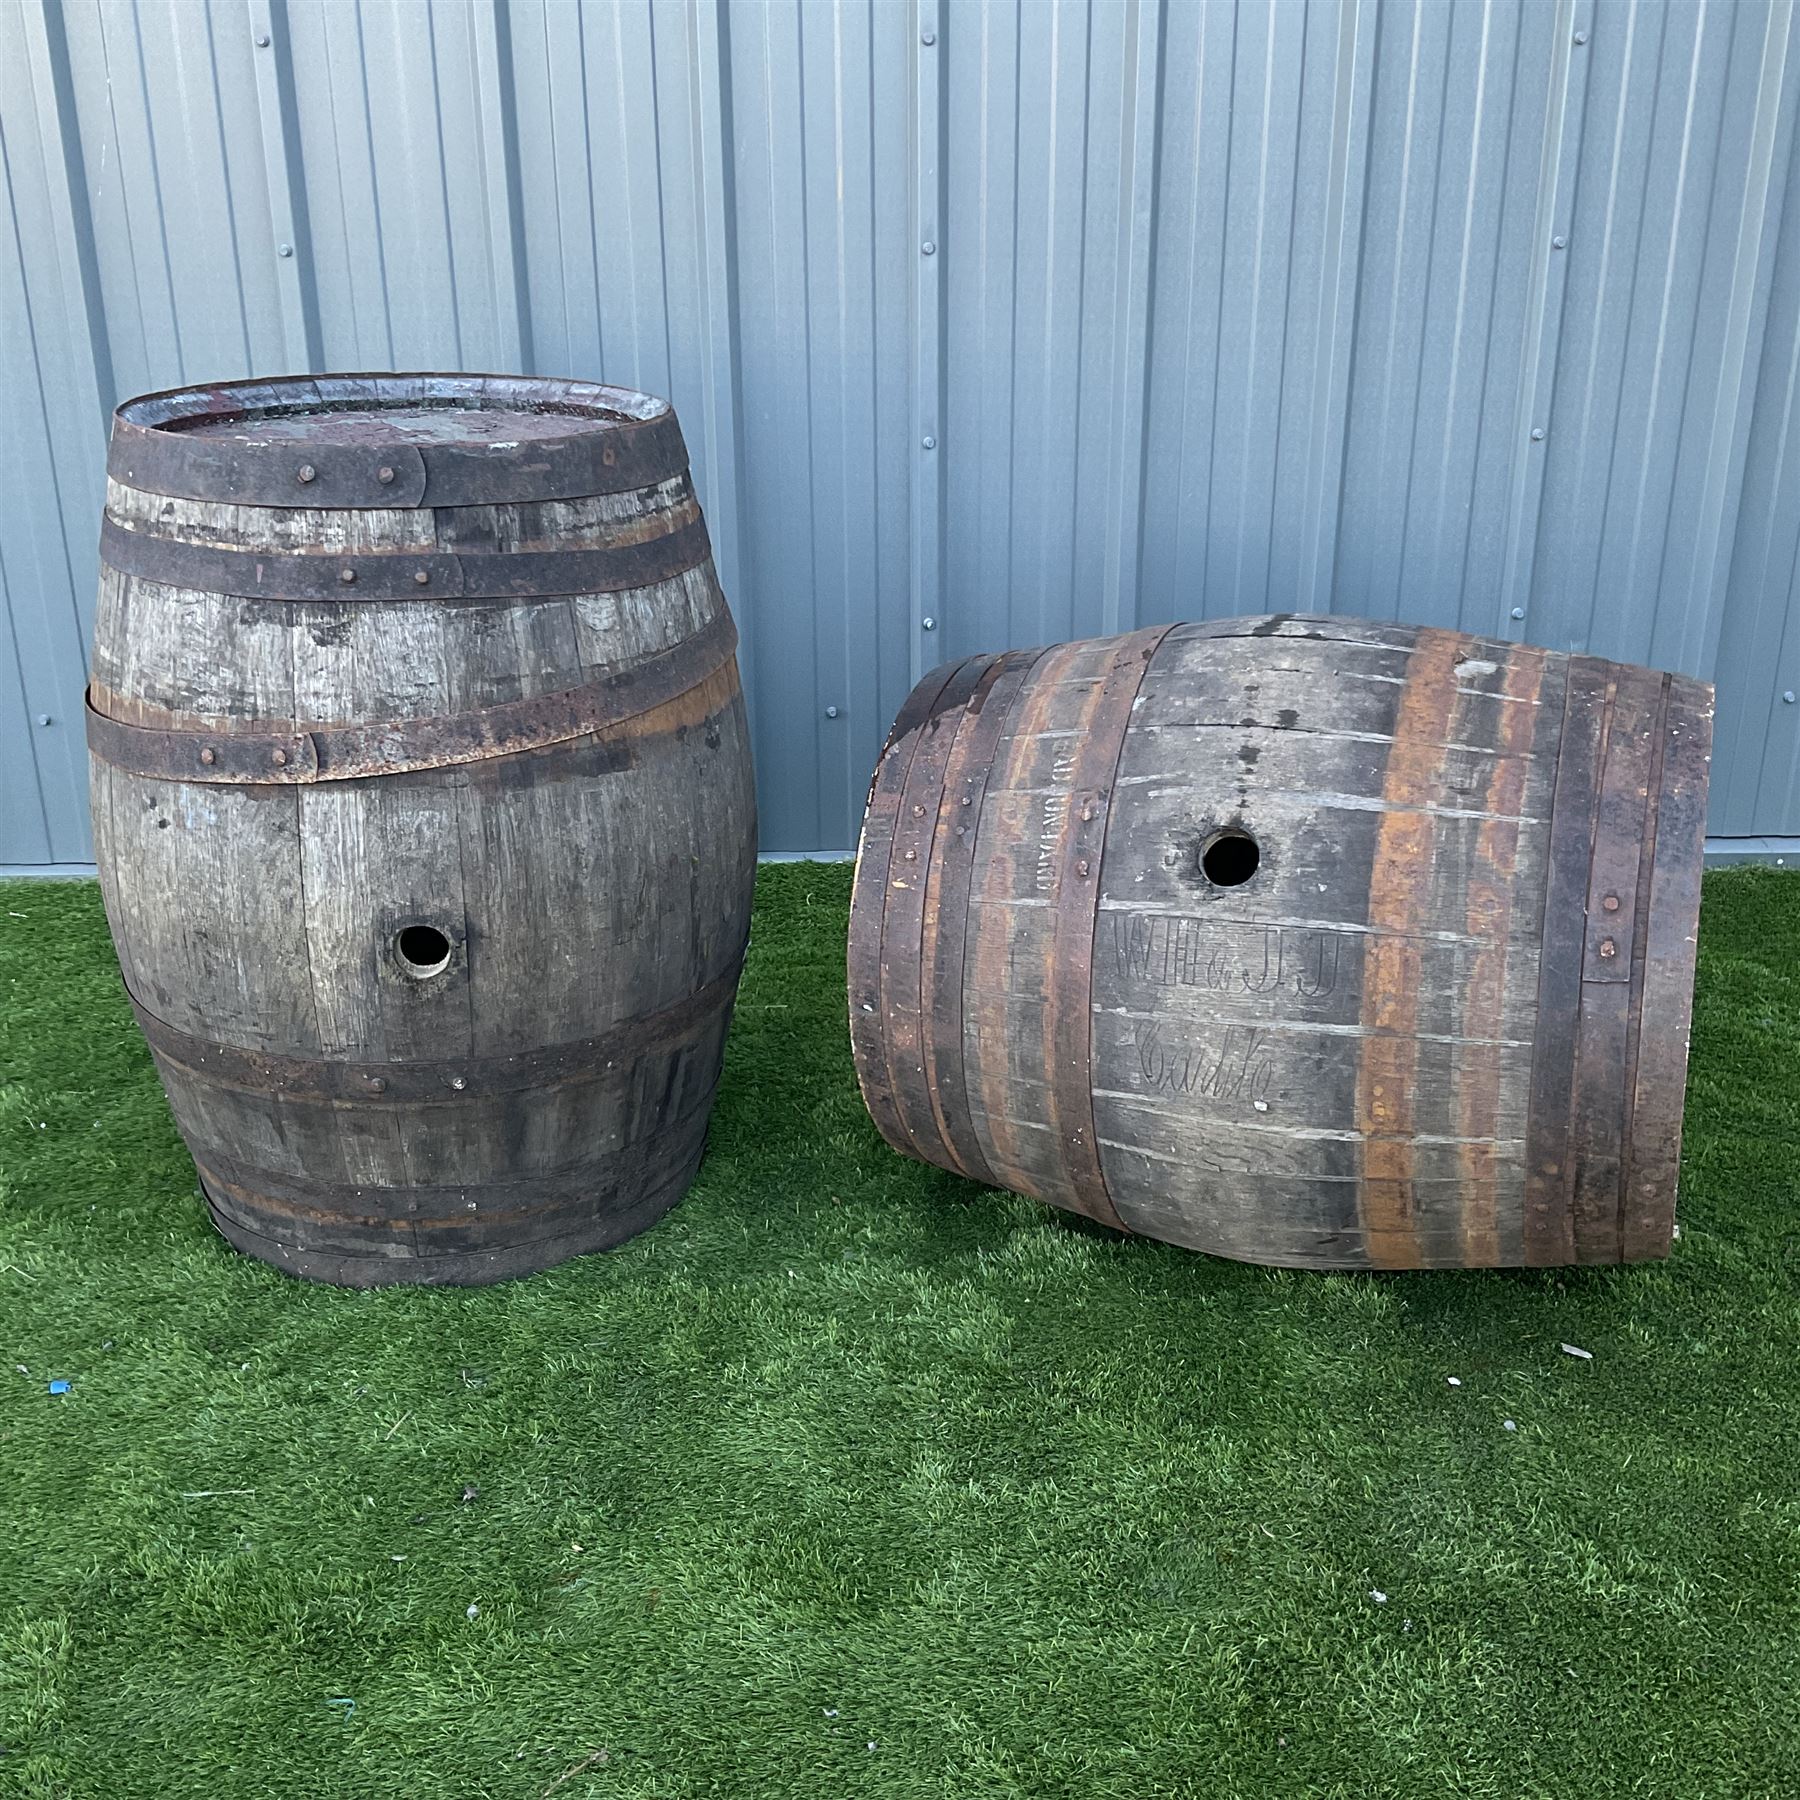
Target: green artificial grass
851,1478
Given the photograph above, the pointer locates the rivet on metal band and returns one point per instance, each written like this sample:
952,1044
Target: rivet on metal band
316,1078
518,576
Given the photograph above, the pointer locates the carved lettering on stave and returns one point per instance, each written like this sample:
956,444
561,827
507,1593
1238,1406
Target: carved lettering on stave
1173,950
1239,1069
1056,811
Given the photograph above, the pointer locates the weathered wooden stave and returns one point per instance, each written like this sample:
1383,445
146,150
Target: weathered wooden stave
547,1090
1450,1073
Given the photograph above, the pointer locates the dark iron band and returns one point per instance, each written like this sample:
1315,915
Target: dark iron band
359,1233
296,755
866,947
916,822
1610,1012
436,575
324,1079
1549,1232
615,453
1075,922
1672,912
943,982
615,1205
1605,838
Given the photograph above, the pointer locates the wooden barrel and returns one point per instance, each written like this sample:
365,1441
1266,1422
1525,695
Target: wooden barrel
1296,940
423,808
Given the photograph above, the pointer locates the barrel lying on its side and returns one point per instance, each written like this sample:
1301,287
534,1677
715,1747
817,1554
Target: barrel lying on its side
1297,940
423,810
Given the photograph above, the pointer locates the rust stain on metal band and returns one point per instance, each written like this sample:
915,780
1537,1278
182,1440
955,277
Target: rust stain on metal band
437,576
1671,920
1488,918
1399,899
299,754
1074,911
456,1081
693,706
1640,953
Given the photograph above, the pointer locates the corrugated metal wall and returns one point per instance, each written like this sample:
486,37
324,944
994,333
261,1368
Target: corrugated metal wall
988,323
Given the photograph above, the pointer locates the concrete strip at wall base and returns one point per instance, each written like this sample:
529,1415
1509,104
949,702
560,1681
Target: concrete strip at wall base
1776,852
1721,853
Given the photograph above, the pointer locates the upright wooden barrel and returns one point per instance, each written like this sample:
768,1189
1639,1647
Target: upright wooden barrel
1297,940
423,808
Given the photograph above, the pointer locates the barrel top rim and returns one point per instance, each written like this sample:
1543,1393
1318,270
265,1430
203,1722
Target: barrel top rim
220,405
394,439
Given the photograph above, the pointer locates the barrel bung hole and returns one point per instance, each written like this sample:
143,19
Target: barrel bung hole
1229,858
423,950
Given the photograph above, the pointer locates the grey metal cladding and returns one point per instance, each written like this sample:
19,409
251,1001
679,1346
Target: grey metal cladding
1475,314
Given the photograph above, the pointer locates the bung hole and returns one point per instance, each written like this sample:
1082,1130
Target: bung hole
423,950
1230,858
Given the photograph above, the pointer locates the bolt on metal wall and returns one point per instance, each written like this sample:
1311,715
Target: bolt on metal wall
988,324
